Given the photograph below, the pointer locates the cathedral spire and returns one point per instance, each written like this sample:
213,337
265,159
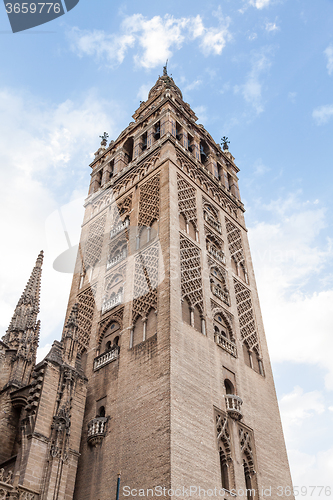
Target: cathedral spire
24,321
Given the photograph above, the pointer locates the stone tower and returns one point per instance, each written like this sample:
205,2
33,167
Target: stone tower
163,371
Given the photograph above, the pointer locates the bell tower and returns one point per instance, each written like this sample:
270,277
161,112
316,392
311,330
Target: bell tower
162,371
180,387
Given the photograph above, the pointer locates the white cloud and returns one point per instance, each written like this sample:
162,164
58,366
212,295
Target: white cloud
201,112
323,114
194,85
156,38
46,161
287,255
251,90
260,4
329,54
271,27
297,406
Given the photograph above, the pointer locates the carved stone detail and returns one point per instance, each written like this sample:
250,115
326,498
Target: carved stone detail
93,247
146,281
149,205
191,281
86,307
187,201
206,184
246,316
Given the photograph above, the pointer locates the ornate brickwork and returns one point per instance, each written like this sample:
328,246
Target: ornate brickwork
186,200
135,174
93,247
86,302
116,316
191,282
245,441
207,185
235,242
222,432
149,206
146,280
246,316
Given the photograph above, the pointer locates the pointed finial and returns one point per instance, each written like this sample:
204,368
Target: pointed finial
165,69
104,138
39,260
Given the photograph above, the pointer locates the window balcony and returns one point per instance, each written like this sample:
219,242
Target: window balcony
212,222
96,430
106,358
221,294
217,254
113,302
233,404
118,229
226,344
115,260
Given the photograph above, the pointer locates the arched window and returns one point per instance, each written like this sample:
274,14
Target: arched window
116,340
250,491
101,411
108,345
229,388
224,470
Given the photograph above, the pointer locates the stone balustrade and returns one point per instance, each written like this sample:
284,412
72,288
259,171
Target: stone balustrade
217,254
106,358
221,294
226,344
213,222
233,404
117,258
116,230
111,303
96,430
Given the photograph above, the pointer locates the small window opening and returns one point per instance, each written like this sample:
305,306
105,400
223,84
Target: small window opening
128,148
116,341
101,411
229,388
143,141
108,346
157,131
179,132
190,145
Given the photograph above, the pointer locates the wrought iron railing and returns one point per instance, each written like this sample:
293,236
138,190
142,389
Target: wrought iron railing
106,358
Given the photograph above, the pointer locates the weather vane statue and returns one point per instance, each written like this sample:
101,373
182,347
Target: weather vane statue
104,138
165,69
225,143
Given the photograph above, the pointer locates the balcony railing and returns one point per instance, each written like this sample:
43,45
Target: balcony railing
226,344
213,222
221,294
233,404
118,258
217,254
96,430
111,303
106,358
116,230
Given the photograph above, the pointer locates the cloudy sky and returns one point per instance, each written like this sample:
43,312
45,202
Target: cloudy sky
258,71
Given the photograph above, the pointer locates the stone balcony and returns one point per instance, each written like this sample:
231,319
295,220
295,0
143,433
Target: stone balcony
96,430
118,229
115,260
233,404
106,358
221,294
213,222
111,303
217,254
226,344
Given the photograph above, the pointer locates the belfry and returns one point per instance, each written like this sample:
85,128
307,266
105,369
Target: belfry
162,371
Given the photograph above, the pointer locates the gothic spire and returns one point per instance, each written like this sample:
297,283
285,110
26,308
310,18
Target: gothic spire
24,320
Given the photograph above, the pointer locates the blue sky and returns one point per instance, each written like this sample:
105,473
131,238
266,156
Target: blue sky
258,71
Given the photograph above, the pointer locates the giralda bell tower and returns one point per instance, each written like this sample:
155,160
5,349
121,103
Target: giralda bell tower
180,387
163,371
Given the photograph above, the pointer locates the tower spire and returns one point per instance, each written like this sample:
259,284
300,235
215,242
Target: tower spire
23,325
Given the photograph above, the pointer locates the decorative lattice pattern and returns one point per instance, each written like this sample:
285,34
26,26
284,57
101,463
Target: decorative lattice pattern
186,200
93,248
207,185
135,175
235,242
190,266
247,449
121,210
146,280
222,432
86,302
246,316
149,206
